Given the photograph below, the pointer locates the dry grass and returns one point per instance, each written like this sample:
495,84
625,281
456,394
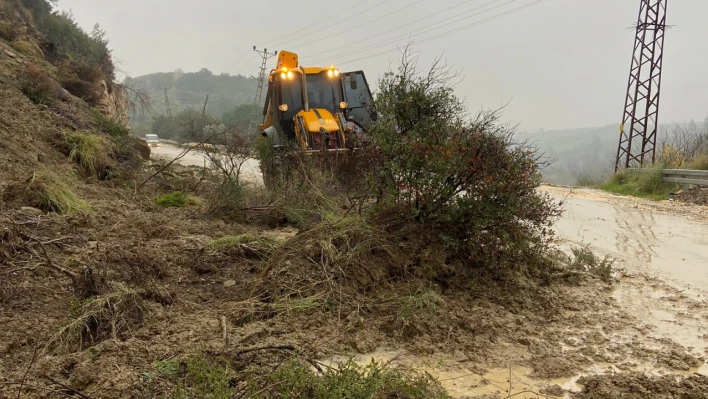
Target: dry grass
8,31
91,152
98,316
27,48
700,162
37,85
52,192
263,247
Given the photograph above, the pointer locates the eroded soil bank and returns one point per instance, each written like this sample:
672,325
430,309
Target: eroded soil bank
572,338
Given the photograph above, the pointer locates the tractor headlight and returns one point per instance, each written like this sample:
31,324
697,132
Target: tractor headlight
336,72
343,105
283,107
290,75
283,75
330,73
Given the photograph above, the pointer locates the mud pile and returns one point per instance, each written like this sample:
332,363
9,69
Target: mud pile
635,385
694,195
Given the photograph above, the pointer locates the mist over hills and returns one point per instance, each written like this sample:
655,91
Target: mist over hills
187,90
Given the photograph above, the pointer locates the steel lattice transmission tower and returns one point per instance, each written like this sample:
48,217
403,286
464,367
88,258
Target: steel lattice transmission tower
640,120
265,56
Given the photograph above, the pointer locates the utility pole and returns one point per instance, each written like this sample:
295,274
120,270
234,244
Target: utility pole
640,119
204,108
167,101
265,56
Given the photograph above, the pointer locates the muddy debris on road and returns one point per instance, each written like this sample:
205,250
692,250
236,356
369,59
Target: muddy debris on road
694,195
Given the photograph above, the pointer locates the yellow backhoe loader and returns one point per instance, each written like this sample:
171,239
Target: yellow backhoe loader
316,110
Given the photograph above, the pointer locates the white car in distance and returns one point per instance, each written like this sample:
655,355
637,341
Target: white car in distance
152,140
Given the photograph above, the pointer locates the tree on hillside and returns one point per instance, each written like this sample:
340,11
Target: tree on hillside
164,127
240,117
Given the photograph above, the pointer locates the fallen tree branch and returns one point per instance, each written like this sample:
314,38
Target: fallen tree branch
224,331
38,387
70,389
50,263
287,348
24,376
266,348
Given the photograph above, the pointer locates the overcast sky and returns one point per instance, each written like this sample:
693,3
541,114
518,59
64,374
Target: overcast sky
560,63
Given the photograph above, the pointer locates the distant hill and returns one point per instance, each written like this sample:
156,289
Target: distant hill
189,90
581,152
574,151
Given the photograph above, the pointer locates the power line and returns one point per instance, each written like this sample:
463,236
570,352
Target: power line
481,22
428,28
253,57
337,22
237,60
403,26
371,21
314,25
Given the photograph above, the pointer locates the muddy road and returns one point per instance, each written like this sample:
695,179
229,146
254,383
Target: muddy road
666,242
167,151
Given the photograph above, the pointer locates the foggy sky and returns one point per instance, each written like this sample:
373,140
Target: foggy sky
560,64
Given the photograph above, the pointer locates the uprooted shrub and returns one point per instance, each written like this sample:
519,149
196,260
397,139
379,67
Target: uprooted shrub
305,189
335,261
97,318
466,180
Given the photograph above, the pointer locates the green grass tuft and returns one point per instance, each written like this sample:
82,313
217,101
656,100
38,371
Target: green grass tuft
642,183
176,199
88,150
348,380
425,300
585,260
109,125
27,48
53,194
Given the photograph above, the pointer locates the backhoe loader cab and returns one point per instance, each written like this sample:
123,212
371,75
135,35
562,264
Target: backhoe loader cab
315,109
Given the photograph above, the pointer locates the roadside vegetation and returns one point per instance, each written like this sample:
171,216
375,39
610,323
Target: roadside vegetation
684,147
643,183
